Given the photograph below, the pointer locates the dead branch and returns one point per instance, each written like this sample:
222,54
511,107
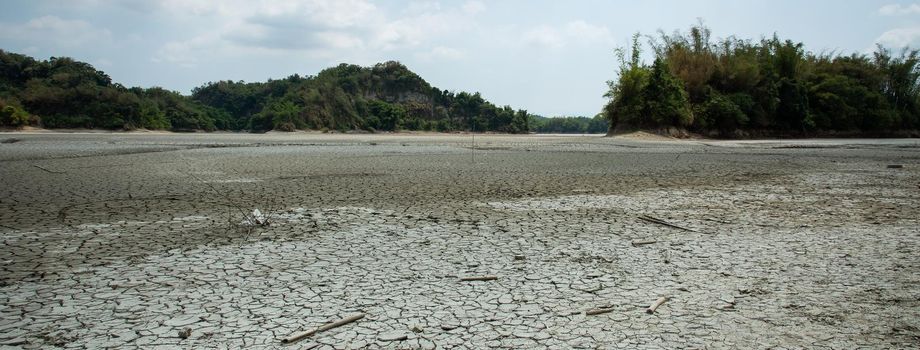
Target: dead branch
326,327
718,220
479,278
642,242
656,304
49,170
664,223
598,311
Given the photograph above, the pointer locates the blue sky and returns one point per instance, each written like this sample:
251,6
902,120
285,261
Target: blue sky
550,57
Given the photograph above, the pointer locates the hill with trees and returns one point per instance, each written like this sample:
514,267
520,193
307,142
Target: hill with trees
772,87
64,93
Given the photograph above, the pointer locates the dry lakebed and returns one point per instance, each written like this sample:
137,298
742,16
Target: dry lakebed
408,241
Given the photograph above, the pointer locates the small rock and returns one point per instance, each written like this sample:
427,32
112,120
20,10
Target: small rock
185,333
519,257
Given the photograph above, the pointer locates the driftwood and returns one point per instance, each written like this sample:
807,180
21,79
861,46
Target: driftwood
479,278
598,311
641,242
895,166
326,327
664,223
656,304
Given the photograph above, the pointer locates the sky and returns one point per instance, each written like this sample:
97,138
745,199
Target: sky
549,57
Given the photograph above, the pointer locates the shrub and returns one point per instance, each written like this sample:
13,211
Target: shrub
11,115
286,127
719,112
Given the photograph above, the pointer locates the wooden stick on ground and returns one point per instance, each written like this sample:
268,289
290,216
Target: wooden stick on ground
662,222
49,170
479,278
651,309
598,311
326,327
642,242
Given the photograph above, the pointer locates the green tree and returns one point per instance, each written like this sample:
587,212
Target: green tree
666,102
626,104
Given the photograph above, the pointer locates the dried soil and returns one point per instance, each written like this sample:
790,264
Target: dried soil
140,240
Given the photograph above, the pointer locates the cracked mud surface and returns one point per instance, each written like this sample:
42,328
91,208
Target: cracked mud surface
132,240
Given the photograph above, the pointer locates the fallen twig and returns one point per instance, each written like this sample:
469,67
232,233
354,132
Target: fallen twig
598,311
656,304
718,220
479,278
662,222
325,327
642,242
48,170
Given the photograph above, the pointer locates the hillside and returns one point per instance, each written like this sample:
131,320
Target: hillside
64,93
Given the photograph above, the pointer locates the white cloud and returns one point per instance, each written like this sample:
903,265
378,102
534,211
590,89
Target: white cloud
416,30
309,26
544,36
417,7
587,33
54,31
900,37
473,7
898,9
573,33
188,52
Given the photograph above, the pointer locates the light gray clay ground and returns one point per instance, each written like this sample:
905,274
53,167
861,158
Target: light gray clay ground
139,240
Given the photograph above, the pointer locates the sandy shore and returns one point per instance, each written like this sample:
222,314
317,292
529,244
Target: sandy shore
128,239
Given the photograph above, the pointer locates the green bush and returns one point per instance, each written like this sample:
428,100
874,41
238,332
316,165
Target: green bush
11,115
720,112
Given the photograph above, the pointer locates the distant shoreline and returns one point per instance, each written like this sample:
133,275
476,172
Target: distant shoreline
636,135
33,130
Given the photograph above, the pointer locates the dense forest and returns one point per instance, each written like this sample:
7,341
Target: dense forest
64,93
736,88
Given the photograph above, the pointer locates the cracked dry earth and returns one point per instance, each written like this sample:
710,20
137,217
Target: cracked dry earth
140,240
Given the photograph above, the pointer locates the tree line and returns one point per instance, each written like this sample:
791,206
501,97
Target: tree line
726,88
736,87
569,125
64,93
